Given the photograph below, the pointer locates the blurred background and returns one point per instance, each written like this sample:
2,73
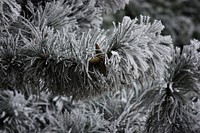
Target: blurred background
180,17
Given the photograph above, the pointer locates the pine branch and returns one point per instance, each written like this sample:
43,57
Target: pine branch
59,62
140,48
73,14
11,64
9,11
169,102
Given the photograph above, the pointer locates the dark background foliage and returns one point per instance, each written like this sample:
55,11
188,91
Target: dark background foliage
180,17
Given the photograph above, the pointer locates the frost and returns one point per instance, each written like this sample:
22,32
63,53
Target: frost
60,72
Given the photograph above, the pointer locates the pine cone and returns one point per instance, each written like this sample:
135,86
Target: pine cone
98,62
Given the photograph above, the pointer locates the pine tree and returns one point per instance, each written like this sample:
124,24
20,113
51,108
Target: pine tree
61,72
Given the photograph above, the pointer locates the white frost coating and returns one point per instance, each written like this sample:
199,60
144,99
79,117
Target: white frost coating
116,59
116,54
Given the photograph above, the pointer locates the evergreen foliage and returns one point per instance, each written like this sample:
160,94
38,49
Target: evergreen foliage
171,102
60,72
